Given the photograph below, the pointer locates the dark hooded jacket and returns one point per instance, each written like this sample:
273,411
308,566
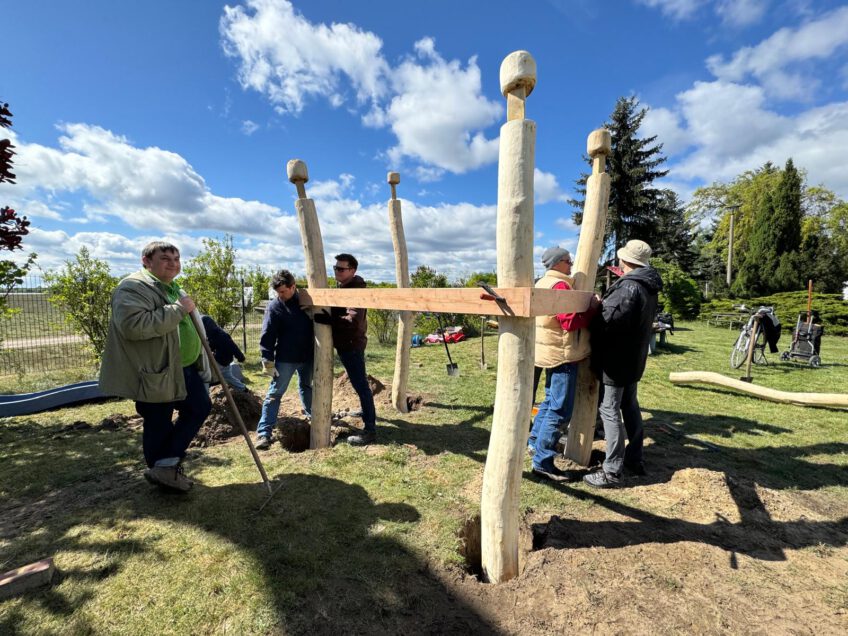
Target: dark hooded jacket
286,332
622,330
349,323
223,347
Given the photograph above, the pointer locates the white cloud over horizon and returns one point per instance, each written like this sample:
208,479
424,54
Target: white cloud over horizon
434,107
141,194
717,129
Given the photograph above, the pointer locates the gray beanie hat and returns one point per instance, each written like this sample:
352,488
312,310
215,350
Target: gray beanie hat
554,255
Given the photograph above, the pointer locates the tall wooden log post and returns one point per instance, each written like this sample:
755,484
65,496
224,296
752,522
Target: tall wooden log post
404,333
581,431
499,511
316,278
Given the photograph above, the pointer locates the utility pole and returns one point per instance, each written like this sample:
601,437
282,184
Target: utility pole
732,209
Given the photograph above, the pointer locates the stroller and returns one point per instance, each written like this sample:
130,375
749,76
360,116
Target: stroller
806,339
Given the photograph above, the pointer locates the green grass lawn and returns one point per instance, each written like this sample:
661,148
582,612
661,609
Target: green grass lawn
354,535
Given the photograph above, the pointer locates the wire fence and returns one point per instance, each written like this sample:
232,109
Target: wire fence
36,339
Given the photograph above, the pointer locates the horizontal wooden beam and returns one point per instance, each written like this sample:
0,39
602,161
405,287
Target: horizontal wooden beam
525,302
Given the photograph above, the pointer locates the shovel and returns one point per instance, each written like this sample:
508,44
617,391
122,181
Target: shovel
450,366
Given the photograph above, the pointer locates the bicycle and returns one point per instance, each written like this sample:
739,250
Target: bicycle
742,346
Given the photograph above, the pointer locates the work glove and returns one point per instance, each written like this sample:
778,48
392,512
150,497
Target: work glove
322,318
269,368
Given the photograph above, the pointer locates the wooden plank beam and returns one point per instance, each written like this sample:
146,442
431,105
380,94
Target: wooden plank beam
523,302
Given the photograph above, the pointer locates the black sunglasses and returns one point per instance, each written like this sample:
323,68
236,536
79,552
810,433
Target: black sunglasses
336,268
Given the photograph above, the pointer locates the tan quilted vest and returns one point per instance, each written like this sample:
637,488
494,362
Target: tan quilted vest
554,345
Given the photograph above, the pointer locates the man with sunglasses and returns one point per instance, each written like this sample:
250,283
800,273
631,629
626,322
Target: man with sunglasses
349,338
562,341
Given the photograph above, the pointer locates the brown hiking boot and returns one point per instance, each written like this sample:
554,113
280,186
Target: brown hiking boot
169,477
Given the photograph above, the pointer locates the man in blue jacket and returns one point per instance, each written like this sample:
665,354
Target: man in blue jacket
620,336
286,346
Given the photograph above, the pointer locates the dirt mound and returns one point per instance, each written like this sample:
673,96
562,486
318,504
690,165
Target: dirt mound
218,428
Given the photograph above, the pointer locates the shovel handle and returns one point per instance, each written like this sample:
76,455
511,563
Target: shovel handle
230,400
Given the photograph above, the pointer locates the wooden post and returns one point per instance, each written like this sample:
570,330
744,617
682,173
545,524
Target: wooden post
499,508
316,277
581,431
404,333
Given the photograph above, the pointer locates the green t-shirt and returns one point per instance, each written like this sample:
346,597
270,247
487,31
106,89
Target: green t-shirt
189,340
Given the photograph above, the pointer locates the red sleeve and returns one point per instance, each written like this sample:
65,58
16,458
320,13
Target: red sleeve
573,321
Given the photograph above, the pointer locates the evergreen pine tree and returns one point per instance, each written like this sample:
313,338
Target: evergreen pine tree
758,262
633,167
672,238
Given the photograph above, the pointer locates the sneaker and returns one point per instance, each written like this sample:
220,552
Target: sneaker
602,479
555,474
169,477
363,439
263,442
636,468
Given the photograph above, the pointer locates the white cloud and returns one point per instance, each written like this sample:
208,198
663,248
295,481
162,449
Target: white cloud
436,104
740,13
767,62
249,127
546,187
285,57
667,126
434,107
733,129
144,187
150,193
675,9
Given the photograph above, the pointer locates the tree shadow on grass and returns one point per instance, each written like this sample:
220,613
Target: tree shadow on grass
328,554
756,534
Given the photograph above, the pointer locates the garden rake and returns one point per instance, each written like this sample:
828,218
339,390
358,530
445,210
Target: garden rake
234,412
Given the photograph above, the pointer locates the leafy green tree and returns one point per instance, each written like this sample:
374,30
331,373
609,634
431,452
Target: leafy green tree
490,278
426,323
633,166
680,295
772,260
382,323
427,277
259,282
82,289
12,227
212,280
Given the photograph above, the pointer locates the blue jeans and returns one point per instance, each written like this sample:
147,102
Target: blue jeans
354,364
554,411
278,386
166,440
233,381
620,414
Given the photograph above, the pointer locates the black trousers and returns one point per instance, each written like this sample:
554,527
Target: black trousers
164,439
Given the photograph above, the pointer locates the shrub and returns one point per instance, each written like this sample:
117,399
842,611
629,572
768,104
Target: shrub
680,295
787,305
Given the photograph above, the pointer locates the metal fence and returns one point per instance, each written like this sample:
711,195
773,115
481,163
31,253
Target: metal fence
36,338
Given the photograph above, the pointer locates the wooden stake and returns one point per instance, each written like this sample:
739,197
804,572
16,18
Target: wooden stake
581,431
499,506
404,334
316,278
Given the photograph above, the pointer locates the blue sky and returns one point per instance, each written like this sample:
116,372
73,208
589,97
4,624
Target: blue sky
137,121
